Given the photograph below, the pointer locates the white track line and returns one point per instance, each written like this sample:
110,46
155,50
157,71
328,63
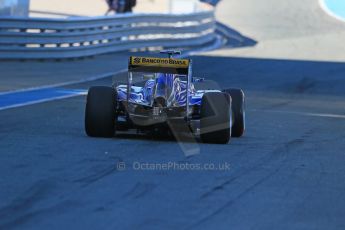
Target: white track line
326,115
329,12
97,77
41,101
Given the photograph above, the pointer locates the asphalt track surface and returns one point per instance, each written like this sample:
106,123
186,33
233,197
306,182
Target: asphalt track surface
287,172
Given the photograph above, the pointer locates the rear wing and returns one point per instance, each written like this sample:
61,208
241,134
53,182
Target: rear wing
162,65
159,65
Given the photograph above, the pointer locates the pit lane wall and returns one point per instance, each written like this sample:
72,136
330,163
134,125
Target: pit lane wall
40,38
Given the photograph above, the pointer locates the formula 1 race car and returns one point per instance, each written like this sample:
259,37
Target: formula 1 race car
160,93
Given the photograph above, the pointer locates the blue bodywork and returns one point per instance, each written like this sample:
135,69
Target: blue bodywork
168,86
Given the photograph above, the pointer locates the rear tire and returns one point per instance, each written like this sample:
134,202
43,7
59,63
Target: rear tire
215,121
238,111
100,112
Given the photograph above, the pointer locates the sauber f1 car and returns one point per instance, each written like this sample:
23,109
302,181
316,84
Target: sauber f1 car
160,93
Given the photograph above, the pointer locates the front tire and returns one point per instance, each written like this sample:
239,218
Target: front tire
100,112
238,111
215,121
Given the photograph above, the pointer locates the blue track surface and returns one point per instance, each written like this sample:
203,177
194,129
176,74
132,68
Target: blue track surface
337,7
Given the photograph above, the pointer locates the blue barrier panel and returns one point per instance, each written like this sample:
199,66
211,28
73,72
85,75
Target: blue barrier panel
336,7
14,8
212,2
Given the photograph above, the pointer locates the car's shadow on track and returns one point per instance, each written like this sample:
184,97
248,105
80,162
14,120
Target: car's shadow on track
157,137
273,75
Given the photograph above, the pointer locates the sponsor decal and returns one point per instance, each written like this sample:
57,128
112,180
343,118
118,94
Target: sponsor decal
160,62
136,60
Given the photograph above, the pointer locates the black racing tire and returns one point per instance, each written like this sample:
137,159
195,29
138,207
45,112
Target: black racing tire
100,112
215,120
238,112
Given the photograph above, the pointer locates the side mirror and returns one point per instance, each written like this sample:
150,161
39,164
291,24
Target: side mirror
196,79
